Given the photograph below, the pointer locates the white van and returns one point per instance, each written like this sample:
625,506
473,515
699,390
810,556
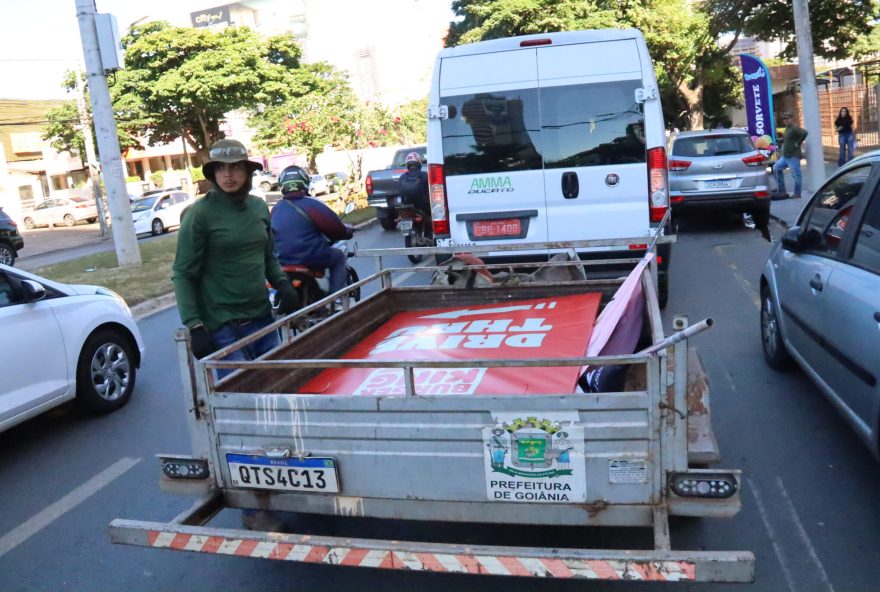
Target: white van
550,137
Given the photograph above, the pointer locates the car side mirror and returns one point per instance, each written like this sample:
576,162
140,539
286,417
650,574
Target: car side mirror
33,291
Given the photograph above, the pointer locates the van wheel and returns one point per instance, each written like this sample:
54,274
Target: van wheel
106,372
662,290
157,227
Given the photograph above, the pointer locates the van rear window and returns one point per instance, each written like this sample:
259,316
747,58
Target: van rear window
491,132
554,127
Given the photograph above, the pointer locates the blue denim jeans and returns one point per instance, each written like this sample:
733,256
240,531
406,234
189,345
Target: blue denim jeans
234,330
338,272
847,147
793,163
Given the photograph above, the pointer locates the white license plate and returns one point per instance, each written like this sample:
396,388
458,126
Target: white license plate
316,475
405,225
720,184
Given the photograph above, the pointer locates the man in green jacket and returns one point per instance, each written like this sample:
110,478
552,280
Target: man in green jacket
225,254
791,156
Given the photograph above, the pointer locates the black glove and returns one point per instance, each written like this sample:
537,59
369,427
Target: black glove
202,344
289,299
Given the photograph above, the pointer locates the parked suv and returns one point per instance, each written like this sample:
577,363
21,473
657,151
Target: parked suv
719,170
10,239
820,295
265,180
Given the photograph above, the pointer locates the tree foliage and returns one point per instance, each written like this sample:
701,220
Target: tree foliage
326,112
64,132
182,82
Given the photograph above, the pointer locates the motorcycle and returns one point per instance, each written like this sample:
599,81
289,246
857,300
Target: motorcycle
311,285
415,227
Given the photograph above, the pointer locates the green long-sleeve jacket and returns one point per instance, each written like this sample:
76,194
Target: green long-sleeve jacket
225,254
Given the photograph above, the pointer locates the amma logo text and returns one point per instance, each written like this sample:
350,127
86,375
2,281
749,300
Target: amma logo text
491,185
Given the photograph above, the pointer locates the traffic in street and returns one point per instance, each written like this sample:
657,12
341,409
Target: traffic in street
809,485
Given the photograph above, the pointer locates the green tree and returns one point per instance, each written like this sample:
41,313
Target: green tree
181,82
64,132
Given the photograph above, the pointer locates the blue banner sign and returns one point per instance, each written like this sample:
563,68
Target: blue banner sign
759,101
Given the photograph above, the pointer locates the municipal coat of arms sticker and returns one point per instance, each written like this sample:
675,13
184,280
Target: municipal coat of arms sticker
535,457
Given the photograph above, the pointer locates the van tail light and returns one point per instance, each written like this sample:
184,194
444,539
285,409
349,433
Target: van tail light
658,183
754,160
679,165
439,206
369,185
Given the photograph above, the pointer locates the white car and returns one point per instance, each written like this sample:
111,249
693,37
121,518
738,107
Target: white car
318,185
63,342
62,210
159,212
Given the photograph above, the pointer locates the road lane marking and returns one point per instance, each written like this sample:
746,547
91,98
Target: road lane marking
44,518
799,573
746,284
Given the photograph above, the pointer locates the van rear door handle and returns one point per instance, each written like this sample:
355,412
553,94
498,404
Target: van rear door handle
816,283
570,185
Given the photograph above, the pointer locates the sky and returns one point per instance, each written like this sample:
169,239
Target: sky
39,39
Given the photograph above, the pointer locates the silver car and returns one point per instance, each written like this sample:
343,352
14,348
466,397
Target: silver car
718,169
820,295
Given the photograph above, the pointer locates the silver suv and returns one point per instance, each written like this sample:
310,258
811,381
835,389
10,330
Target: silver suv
721,170
820,295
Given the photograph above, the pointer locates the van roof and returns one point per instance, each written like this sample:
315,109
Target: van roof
559,38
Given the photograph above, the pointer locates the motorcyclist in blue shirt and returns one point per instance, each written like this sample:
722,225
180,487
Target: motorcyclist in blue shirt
304,230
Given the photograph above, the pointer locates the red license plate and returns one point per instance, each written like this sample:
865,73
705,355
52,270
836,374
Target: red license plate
509,227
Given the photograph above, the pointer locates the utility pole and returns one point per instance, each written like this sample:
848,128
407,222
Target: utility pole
809,94
127,252
91,162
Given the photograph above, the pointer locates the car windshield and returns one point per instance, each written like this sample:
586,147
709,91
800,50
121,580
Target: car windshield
143,204
697,146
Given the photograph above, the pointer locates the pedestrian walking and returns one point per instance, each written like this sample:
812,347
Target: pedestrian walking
225,254
846,136
792,140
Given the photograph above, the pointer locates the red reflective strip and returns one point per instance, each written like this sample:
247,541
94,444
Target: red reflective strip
557,568
761,194
602,569
212,545
514,566
387,562
245,548
430,562
180,541
316,555
470,564
152,535
638,247
281,551
659,260
354,557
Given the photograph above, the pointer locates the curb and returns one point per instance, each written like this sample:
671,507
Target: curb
156,305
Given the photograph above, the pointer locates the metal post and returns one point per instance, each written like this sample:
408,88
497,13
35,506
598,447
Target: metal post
127,252
91,161
809,93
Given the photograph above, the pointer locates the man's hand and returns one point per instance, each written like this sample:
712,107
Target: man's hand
289,299
202,344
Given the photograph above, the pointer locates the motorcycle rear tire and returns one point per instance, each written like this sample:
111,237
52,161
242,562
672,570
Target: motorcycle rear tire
352,278
408,243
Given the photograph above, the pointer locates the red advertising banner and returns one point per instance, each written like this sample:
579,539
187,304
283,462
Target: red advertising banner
518,329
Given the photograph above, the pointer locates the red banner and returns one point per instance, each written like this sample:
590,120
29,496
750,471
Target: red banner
518,329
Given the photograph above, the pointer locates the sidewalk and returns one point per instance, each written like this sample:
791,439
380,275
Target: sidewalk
786,211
